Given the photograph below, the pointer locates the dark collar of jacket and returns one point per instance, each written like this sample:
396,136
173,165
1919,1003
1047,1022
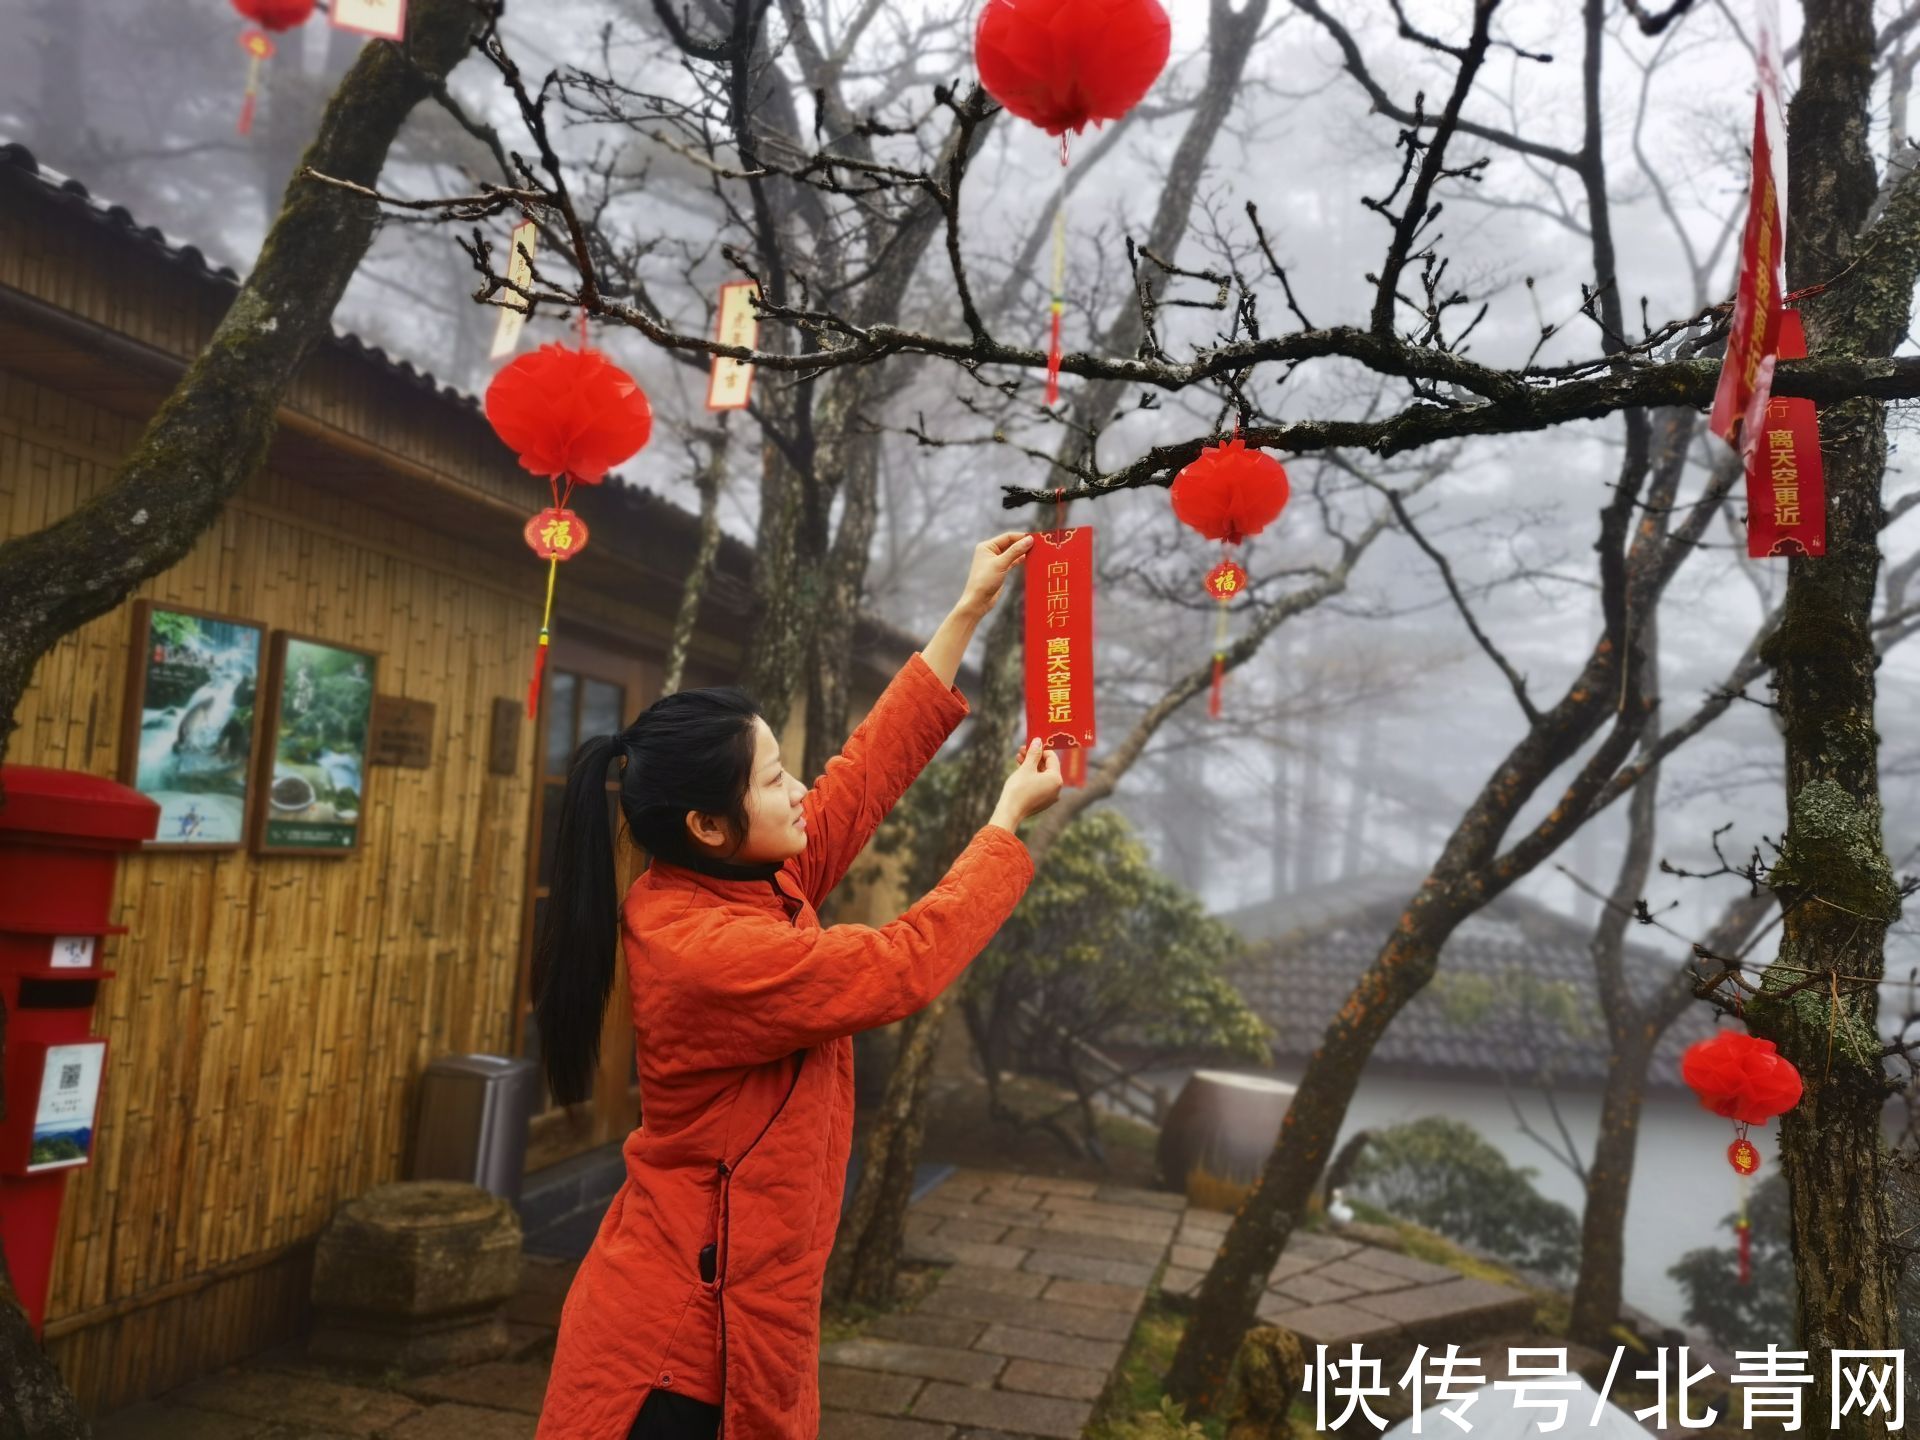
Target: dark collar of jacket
765,885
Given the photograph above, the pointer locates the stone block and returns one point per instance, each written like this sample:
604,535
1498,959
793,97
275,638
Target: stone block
1006,1410
1157,1222
296,1401
938,1250
1105,1247
1067,1223
1419,1272
1099,1295
1053,1349
1068,1382
1079,1320
1050,1185
1192,1257
415,1276
1313,1288
975,1210
465,1422
1459,1310
1145,1199
500,1385
842,1388
1355,1274
979,1232
929,1362
1009,1197
1324,1324
1087,1267
850,1425
1024,1283
917,1329
1181,1282
1315,1246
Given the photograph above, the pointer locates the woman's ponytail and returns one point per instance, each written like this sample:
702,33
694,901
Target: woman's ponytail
575,950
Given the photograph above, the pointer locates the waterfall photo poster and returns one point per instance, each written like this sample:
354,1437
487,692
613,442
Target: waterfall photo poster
313,765
188,740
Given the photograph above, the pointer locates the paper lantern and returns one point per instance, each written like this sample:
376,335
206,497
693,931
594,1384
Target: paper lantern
1230,492
1227,494
571,415
1741,1077
1065,64
1062,65
275,14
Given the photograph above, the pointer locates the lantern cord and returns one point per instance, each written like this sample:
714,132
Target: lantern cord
252,97
1059,294
1743,1235
1219,659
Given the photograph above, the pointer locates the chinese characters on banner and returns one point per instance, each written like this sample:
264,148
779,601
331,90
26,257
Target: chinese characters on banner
1746,375
1059,664
731,382
1786,484
513,316
1771,1384
384,19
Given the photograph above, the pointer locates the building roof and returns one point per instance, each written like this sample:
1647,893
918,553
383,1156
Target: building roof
878,642
1515,993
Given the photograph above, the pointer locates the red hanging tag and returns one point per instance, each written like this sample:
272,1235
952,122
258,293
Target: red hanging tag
259,47
1786,481
1742,1155
556,534
1059,645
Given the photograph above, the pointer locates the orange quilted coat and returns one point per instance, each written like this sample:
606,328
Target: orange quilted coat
705,1276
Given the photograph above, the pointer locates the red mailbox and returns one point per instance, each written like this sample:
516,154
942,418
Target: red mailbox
61,838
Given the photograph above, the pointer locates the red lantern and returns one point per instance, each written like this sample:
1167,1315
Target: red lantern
1227,494
1062,65
1747,1080
1741,1077
1230,492
275,14
571,415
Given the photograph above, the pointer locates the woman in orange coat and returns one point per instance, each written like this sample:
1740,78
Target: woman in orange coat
697,1311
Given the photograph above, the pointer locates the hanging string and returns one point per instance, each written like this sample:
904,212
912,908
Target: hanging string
560,498
1742,1226
1219,646
1059,292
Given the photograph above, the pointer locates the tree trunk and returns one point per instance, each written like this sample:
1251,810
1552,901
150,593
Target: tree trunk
209,437
711,478
212,432
867,1256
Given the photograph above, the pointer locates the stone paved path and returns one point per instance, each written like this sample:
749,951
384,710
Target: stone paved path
1021,1334
1334,1291
1023,1330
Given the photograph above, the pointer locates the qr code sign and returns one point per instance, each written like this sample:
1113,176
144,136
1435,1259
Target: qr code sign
69,1077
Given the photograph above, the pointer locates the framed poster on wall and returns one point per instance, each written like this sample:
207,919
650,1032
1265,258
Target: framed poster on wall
190,728
313,762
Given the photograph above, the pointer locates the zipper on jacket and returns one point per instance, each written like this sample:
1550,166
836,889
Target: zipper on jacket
723,1230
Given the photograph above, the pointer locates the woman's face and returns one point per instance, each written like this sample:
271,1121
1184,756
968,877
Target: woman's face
776,830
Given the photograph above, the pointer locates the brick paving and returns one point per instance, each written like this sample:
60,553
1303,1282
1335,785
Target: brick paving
1017,1340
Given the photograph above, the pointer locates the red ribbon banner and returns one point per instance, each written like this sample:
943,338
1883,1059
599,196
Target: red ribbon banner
1059,650
1786,484
1746,375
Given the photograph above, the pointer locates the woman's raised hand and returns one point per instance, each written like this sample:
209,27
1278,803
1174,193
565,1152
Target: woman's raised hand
992,560
1031,788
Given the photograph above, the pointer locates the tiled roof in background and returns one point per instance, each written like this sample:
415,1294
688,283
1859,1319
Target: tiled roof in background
1515,992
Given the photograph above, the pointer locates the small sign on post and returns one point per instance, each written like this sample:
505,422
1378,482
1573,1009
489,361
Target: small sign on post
513,315
401,732
383,19
731,383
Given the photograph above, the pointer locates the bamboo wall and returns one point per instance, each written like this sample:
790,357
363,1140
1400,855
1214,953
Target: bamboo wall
270,1015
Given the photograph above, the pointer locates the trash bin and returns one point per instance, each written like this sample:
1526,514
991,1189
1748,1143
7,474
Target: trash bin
472,1121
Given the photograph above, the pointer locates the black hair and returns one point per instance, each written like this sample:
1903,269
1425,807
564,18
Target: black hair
691,751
